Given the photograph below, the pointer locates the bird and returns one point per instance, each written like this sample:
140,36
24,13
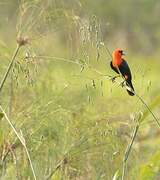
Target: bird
120,66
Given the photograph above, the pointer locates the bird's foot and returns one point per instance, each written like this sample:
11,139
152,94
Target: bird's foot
114,78
123,83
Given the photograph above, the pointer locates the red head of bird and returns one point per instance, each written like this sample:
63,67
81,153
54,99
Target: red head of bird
117,57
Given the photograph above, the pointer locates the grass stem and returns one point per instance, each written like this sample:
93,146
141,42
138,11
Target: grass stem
9,67
22,140
128,150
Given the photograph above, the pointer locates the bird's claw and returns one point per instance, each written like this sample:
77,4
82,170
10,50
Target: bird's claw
114,78
123,83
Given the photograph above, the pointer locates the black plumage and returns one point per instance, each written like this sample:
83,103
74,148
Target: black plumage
126,73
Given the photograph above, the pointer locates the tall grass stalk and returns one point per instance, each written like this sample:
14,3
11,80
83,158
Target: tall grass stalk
10,95
21,139
9,67
55,169
148,108
128,150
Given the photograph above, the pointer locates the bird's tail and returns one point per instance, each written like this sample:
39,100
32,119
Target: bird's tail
130,87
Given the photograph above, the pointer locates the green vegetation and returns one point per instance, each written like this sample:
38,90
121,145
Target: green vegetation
71,121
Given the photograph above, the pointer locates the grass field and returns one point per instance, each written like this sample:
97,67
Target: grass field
72,121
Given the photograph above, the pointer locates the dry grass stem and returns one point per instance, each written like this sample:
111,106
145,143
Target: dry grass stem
21,139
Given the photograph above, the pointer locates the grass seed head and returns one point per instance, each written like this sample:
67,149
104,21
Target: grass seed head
22,41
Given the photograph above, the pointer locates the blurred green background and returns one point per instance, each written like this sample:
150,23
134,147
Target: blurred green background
76,123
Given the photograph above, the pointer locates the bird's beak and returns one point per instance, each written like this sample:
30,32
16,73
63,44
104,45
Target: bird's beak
123,53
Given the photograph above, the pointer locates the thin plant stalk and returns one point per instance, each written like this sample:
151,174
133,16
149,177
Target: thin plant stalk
11,95
55,169
156,119
9,67
128,150
22,140
15,162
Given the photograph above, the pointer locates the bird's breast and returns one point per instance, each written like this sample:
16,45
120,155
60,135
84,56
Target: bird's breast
116,62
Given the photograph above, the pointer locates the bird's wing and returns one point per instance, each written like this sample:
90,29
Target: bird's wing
125,70
114,68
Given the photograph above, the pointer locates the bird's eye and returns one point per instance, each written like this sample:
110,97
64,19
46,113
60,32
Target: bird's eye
121,51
